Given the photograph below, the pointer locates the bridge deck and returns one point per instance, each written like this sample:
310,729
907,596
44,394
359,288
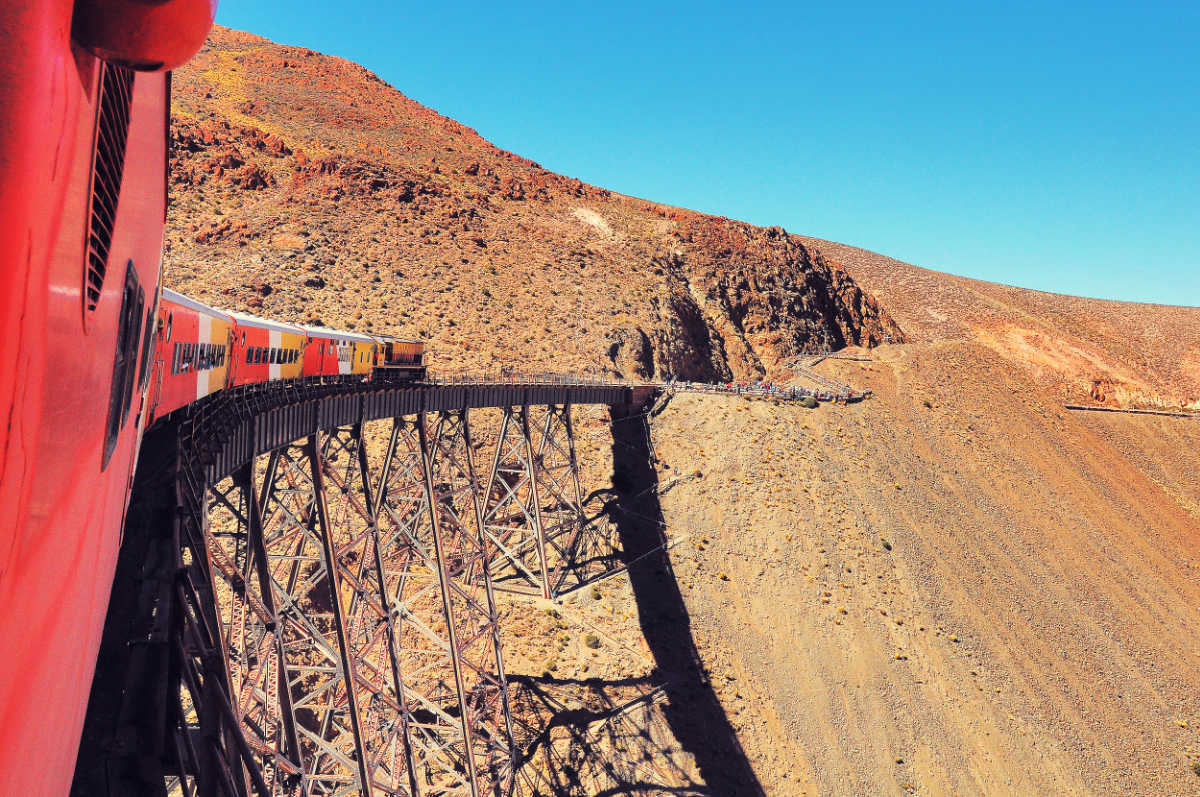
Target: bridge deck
236,425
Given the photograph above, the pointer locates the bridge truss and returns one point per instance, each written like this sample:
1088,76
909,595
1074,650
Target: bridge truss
313,606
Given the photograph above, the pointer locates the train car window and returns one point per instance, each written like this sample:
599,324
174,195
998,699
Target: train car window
133,301
249,355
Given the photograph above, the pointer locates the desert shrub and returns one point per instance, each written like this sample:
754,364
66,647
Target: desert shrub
809,402
592,641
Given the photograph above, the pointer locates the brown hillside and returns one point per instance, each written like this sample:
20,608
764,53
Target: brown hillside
987,595
956,587
305,188
1084,350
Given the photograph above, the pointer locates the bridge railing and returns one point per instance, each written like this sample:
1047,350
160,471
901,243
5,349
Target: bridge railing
764,390
535,378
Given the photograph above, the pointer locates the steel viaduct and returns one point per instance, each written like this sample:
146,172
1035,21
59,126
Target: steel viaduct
305,598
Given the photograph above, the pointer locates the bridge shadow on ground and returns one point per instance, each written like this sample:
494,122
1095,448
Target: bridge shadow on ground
697,719
593,737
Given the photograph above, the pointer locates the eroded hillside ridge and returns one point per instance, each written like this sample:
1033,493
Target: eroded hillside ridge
1086,351
306,188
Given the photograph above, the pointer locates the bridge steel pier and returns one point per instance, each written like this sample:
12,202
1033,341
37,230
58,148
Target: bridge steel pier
305,604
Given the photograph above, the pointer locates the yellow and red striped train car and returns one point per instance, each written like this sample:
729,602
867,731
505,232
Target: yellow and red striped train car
192,358
264,350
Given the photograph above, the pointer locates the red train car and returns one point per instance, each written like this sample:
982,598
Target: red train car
191,359
333,353
264,350
83,154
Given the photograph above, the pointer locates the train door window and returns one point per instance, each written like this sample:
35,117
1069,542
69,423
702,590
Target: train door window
147,348
125,360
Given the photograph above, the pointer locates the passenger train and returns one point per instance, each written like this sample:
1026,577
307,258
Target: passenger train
200,350
92,350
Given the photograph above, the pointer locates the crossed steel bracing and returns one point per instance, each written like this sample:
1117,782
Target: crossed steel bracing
337,630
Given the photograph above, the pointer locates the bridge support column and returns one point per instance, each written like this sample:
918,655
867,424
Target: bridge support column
533,504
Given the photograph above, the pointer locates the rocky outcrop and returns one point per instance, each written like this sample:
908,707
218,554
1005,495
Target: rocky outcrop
739,301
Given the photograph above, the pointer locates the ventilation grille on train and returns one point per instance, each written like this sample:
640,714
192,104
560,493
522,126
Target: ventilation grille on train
112,129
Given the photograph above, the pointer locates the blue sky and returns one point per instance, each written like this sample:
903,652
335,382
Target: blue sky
1052,145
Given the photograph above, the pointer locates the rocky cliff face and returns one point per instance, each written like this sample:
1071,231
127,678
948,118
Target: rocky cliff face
305,188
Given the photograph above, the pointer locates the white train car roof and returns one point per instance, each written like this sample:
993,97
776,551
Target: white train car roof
247,320
192,304
394,339
324,332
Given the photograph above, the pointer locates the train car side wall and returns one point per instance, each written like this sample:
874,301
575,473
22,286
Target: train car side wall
81,241
192,357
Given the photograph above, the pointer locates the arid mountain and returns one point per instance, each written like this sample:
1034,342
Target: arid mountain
1083,350
955,587
305,188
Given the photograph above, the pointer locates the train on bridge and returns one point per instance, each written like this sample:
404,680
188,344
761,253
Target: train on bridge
199,350
94,350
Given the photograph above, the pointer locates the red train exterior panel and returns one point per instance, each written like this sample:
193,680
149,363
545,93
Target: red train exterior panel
92,353
82,203
66,463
